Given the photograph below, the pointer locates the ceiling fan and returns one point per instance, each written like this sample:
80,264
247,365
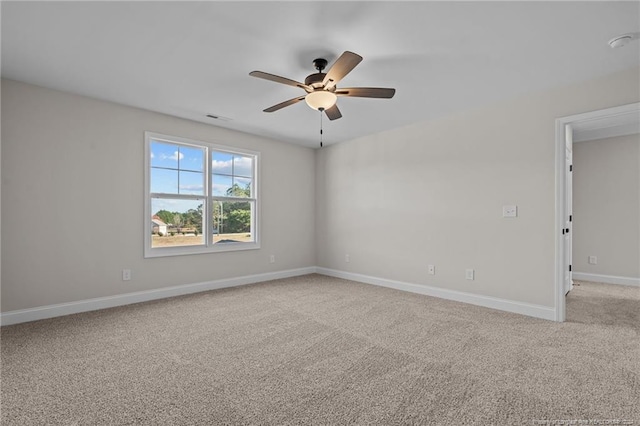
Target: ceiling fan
322,92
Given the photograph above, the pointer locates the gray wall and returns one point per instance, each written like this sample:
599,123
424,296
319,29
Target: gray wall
432,193
72,201
606,206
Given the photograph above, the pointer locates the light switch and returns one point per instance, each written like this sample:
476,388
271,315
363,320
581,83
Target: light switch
509,211
469,274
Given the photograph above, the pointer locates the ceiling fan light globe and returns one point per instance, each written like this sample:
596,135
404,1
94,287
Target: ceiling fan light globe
321,99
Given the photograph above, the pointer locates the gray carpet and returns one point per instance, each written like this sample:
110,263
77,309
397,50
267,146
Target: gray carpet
323,351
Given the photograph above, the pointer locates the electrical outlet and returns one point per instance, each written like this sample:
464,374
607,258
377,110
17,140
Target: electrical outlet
509,211
469,274
126,274
593,260
432,270
272,258
347,258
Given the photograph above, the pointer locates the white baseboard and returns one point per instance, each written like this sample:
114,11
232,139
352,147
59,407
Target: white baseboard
608,279
50,311
528,309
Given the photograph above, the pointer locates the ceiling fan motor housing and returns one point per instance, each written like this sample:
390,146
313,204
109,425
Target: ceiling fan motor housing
315,80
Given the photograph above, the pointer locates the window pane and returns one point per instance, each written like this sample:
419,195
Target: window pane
242,166
191,183
222,163
191,158
222,185
177,169
241,187
176,222
164,155
164,181
232,221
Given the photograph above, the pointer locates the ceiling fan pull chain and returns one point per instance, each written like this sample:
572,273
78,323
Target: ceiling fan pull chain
321,110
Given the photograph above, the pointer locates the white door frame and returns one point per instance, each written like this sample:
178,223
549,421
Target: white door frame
568,236
562,257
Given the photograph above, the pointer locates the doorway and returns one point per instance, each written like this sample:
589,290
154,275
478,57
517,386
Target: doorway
607,122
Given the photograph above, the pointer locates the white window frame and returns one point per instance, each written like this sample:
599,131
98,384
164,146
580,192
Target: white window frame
208,246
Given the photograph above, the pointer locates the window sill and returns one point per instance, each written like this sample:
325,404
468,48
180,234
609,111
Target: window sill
190,250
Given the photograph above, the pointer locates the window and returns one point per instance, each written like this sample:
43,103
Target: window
200,197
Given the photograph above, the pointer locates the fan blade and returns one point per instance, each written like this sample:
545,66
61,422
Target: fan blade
367,92
278,79
284,104
333,113
343,66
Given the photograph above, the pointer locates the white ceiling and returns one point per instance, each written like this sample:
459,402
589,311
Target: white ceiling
190,59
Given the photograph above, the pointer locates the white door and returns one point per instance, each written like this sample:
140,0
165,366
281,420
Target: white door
568,229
